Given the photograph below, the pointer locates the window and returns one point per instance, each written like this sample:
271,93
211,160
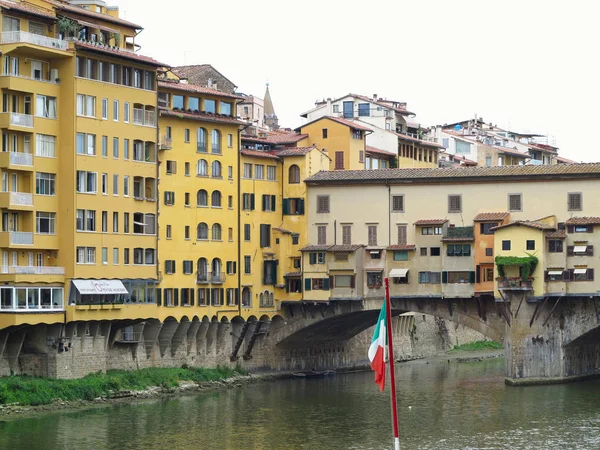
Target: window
115,184
374,280
423,251
454,203
216,142
487,274
104,146
187,169
271,174
247,265
339,160
294,174
86,105
269,203
144,223
259,172
125,148
126,112
489,252
201,140
344,281
202,168
402,239
247,170
582,274
45,146
171,167
45,222
324,133
460,277
186,135
515,202
225,108
372,234
346,234
115,222
216,199
45,183
86,255
530,245
86,144
322,235
429,278
364,110
45,106
230,172
188,267
431,230
105,109
116,110
357,134
216,232
202,198
216,169
401,255
169,232
169,198
486,228
322,203
178,101
115,256
505,245
86,220
170,267
248,202
126,186
104,221
434,251
458,250
87,182
320,284
316,258
574,201
230,201
115,147
126,222
202,231
398,203
265,235
555,246
247,232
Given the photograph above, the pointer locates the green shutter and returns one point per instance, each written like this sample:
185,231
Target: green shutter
237,296
300,206
312,258
286,206
251,202
307,284
176,297
159,297
444,277
471,277
192,297
265,266
273,202
222,296
326,284
275,264
264,202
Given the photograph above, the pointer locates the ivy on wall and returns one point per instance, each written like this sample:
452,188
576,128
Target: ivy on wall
529,263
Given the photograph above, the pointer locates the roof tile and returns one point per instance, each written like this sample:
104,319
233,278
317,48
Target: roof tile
560,234
194,88
294,151
490,216
527,223
27,9
422,222
378,151
258,154
583,221
402,247
118,52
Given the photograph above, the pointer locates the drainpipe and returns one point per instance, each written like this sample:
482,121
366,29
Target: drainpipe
239,221
389,212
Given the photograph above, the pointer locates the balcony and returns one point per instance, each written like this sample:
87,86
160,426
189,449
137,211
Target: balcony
514,284
32,274
19,37
16,161
144,118
20,238
16,201
13,119
202,278
32,270
166,143
217,278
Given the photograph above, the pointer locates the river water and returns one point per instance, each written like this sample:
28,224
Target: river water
442,406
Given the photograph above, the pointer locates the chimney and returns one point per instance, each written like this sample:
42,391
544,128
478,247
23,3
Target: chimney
375,97
329,109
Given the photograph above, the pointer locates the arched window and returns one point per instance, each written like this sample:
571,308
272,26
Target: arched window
246,297
202,168
261,299
216,141
216,199
202,198
201,140
216,266
216,232
202,270
294,174
202,231
216,169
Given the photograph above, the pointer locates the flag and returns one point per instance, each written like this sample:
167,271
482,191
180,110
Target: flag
378,348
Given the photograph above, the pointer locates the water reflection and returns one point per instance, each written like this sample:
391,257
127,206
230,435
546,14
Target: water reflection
453,406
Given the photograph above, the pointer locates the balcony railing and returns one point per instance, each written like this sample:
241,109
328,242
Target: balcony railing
202,278
13,37
166,143
201,147
144,118
25,77
21,199
32,270
21,120
21,238
514,284
216,149
21,159
217,278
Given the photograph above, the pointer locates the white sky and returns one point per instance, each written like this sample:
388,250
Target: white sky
532,65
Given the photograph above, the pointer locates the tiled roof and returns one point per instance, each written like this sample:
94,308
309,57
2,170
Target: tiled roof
583,221
201,116
525,172
197,71
402,247
560,234
86,12
315,248
378,151
193,88
120,53
527,223
294,151
421,222
282,230
276,137
458,239
344,248
339,120
406,137
257,154
27,8
565,160
490,216
468,162
455,234
292,275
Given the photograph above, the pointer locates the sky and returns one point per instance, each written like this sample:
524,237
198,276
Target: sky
528,65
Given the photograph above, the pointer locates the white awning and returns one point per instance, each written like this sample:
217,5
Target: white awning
100,287
555,272
398,273
580,271
580,249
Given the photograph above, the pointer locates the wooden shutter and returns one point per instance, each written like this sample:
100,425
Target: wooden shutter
471,277
222,296
590,274
353,281
326,284
251,202
444,277
265,270
372,230
192,297
545,276
570,229
262,236
322,235
286,206
159,297
590,228
478,274
307,284
331,282
566,275
589,251
339,160
312,258
402,235
300,203
570,250
273,202
175,297
237,296
264,202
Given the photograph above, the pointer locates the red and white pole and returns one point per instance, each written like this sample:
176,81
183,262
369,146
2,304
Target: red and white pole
388,311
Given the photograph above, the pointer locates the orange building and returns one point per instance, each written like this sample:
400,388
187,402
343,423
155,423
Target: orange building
484,249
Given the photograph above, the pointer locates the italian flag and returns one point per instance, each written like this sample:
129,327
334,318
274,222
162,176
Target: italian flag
378,348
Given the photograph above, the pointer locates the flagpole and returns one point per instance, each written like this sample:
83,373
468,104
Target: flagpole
388,310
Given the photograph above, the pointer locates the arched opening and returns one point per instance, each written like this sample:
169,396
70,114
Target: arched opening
216,232
202,270
216,199
294,174
216,169
216,141
201,140
202,168
202,232
246,297
202,198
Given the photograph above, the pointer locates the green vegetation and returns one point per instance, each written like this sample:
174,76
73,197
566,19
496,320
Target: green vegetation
529,263
42,391
478,345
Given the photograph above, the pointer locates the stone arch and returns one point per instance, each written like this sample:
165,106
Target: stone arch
167,331
191,334
201,336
